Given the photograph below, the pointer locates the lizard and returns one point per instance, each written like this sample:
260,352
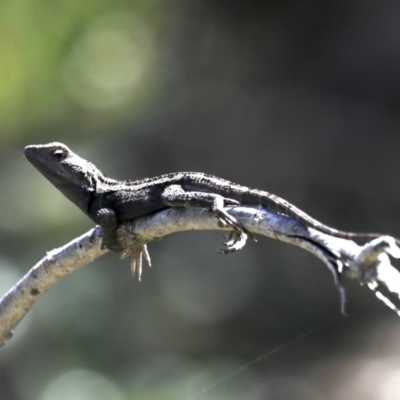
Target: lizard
110,202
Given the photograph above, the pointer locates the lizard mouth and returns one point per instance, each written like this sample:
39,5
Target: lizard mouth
39,159
30,152
35,157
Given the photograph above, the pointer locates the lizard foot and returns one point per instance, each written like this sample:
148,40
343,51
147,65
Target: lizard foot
137,253
235,241
225,219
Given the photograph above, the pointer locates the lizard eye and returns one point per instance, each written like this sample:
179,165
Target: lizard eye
59,155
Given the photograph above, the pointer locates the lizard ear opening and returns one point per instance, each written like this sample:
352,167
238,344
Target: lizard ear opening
80,175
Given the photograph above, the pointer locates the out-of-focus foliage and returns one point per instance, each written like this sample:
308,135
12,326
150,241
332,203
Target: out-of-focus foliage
95,53
298,98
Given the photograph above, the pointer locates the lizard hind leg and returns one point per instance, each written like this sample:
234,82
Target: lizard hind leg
237,237
176,196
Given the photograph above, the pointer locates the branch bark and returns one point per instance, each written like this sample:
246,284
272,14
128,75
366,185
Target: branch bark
369,264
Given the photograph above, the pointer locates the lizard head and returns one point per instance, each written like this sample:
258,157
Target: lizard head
69,173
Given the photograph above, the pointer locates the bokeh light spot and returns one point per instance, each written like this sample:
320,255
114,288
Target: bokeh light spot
82,385
108,63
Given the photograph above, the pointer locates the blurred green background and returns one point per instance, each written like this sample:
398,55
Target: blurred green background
300,98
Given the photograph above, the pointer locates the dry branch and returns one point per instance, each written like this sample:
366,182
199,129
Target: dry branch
369,264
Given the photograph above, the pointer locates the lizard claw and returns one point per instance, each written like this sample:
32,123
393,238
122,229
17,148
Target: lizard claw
234,241
137,253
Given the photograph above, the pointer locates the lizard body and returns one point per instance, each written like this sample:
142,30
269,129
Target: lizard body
109,202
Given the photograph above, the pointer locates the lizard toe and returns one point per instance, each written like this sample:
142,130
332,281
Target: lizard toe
235,241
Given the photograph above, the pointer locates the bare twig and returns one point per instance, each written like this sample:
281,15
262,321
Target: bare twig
368,264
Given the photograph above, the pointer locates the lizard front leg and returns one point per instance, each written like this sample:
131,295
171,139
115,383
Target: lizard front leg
176,196
108,220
